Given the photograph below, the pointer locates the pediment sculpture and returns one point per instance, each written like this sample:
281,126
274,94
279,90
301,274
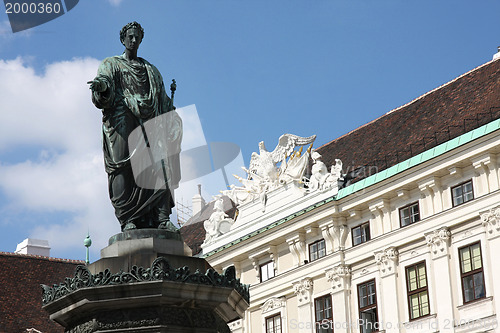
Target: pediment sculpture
270,169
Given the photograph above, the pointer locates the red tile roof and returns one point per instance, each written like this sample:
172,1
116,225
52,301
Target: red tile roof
21,294
465,103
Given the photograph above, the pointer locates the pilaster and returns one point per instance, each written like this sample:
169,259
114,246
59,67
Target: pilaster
490,220
439,244
340,278
387,261
303,289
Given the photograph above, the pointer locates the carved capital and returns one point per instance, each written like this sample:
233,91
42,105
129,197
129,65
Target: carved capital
303,290
273,304
439,241
387,260
339,276
490,219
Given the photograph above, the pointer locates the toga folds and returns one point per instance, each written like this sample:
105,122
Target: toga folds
135,94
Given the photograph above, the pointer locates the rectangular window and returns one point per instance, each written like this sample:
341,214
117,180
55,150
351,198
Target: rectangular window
323,314
418,295
360,234
409,214
266,271
471,270
462,193
317,250
273,324
367,303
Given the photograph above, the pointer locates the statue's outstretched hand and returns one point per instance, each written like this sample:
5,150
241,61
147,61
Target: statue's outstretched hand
97,85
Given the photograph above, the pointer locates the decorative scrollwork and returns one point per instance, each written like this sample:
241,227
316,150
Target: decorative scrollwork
160,270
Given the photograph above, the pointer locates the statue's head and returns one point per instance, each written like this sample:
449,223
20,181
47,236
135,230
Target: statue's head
128,26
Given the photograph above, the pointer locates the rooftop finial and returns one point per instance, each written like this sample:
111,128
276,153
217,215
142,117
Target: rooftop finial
87,242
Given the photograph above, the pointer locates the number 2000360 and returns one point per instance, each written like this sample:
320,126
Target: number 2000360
32,8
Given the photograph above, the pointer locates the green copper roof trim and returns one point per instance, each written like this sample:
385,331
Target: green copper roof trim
378,177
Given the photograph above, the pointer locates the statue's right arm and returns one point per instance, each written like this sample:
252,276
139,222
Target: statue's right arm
102,85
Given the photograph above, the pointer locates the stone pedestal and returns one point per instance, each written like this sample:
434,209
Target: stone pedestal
145,283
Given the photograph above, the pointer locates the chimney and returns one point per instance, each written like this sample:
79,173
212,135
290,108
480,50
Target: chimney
497,55
198,202
34,246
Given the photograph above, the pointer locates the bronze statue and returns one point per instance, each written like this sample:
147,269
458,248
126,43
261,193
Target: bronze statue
130,92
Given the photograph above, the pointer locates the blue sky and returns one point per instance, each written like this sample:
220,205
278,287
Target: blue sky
253,69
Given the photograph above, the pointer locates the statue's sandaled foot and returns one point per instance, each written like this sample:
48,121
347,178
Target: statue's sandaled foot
129,226
169,226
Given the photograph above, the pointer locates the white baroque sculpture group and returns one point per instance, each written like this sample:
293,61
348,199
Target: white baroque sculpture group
270,170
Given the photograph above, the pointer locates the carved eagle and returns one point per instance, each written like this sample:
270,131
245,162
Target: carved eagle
263,165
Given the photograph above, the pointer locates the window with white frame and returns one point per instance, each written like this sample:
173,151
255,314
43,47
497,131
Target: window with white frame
471,272
409,214
367,305
418,294
462,193
266,271
273,324
317,250
360,234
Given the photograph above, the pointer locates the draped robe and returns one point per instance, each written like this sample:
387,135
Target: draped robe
135,94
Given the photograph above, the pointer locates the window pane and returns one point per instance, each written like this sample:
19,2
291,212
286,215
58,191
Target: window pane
321,249
424,303
476,256
405,216
366,232
415,216
368,320
479,286
465,258
356,236
422,282
414,306
468,187
412,279
468,288
363,299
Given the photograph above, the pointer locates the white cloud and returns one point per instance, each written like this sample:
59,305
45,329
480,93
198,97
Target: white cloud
53,114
